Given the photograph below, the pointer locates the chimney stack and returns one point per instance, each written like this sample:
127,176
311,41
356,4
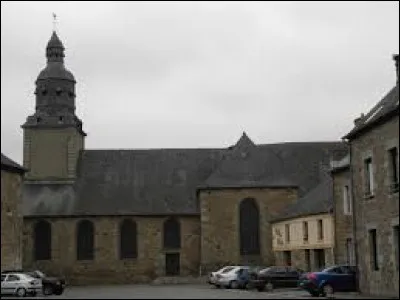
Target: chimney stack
396,60
359,119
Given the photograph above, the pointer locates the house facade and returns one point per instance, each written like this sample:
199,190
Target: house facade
11,214
374,165
303,235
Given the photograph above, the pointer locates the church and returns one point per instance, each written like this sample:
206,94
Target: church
122,216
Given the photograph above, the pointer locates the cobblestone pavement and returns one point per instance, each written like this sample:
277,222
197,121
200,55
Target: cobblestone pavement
179,292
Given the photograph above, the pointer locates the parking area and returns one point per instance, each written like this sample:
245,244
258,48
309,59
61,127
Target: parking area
179,292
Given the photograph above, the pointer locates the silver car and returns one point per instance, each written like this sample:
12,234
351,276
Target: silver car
19,284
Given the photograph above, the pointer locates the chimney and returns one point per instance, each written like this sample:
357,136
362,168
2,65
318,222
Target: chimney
396,60
359,119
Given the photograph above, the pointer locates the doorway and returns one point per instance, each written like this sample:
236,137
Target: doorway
172,264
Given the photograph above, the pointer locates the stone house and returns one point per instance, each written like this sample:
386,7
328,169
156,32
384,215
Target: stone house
100,216
303,234
374,166
343,212
11,214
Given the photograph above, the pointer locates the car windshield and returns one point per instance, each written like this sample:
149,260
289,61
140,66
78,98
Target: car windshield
40,274
227,269
265,270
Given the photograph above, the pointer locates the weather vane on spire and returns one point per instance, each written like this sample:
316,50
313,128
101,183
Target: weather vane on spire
54,22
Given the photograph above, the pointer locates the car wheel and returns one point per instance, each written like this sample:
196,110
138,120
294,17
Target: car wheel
314,294
269,286
58,292
21,292
47,290
217,286
261,288
248,286
234,284
327,290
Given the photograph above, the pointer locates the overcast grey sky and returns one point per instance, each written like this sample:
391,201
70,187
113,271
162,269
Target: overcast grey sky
198,74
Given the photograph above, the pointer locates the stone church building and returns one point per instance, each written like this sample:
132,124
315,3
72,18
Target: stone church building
131,215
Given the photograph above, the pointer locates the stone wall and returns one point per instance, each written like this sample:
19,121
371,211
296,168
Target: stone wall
11,220
220,223
106,266
380,212
343,219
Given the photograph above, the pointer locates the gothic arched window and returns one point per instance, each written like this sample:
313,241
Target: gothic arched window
172,234
42,240
85,240
127,239
249,227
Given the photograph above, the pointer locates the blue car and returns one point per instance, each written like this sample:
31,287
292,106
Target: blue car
340,278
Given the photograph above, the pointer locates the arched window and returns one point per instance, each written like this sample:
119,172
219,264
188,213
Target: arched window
127,239
85,240
42,240
249,227
172,234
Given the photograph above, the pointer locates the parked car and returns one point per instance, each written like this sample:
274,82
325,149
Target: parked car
212,277
234,278
275,276
19,284
50,285
340,278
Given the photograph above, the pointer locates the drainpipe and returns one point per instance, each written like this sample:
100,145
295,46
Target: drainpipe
353,219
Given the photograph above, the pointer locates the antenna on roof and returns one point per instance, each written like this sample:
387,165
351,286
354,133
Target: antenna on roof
54,22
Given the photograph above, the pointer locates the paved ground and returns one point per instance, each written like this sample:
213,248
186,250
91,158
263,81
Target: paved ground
178,292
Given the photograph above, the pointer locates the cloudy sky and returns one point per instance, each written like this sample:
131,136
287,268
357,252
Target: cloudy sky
198,74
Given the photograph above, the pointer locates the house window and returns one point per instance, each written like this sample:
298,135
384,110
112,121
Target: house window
307,255
373,249
85,240
349,251
369,176
305,231
320,230
287,258
42,240
396,244
287,233
172,234
394,169
347,200
319,257
128,239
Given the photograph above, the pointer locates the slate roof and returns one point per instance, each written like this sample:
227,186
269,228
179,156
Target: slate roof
247,165
318,200
165,181
389,105
10,165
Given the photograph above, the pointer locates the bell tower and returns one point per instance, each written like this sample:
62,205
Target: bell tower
53,135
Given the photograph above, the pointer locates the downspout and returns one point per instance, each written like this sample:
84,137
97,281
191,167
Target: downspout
353,219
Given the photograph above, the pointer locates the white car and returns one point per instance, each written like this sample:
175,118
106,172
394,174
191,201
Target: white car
19,284
230,277
212,278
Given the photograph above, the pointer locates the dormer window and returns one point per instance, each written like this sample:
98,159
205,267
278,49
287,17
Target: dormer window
44,91
58,91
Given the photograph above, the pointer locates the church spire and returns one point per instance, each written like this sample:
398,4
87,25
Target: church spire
55,49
